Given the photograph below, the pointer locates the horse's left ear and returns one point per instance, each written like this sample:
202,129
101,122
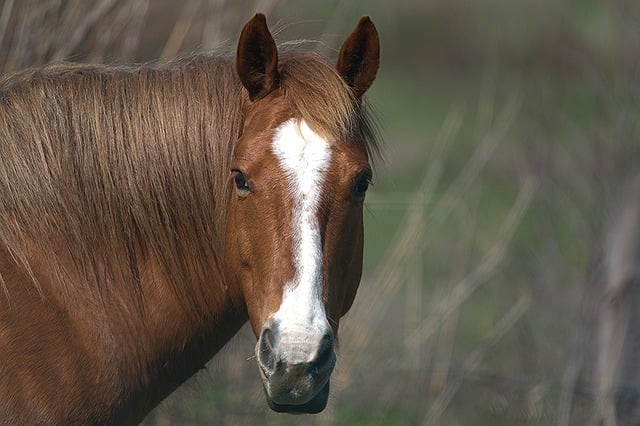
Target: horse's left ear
360,56
257,58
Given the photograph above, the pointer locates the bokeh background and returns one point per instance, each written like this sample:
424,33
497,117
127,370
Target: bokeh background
510,129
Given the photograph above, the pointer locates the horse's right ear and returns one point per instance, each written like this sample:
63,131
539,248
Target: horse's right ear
257,59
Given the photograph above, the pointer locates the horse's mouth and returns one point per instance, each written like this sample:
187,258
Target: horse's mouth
283,397
313,406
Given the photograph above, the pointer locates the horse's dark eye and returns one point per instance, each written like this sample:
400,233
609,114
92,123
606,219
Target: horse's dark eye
361,186
241,182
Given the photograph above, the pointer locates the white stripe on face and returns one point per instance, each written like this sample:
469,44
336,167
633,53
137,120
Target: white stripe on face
305,157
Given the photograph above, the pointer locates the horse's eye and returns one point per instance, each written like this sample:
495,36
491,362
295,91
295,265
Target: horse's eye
241,182
362,184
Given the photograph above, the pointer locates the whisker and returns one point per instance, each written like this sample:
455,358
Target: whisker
331,320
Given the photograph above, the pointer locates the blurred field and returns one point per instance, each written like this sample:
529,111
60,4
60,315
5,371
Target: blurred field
509,128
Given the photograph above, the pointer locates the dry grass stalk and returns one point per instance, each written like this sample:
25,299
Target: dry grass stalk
180,29
443,347
83,27
120,35
485,269
7,10
473,360
481,155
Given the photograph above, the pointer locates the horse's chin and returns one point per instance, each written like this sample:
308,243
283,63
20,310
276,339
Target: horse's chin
313,406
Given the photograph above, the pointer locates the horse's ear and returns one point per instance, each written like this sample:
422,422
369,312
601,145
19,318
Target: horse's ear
360,56
257,59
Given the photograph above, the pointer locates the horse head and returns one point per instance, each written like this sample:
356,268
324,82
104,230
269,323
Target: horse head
294,239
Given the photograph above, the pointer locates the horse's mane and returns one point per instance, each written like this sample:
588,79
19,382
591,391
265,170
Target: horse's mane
101,167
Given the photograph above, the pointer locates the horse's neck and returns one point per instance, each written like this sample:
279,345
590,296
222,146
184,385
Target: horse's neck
107,361
174,341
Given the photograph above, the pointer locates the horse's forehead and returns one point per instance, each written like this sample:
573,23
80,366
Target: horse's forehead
269,111
273,131
301,152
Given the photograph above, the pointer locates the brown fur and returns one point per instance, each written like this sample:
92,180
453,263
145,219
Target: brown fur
95,159
114,196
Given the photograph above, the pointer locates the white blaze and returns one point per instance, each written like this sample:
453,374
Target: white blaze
305,157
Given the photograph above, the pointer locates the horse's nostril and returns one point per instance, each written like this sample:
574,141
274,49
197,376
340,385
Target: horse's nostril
325,356
266,355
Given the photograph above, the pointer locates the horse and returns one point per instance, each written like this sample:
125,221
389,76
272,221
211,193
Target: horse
148,212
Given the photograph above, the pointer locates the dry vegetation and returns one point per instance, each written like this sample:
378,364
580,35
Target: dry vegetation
485,223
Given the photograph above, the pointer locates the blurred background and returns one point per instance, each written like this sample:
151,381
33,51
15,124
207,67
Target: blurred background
510,129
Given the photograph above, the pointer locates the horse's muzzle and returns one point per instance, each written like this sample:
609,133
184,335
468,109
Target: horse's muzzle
295,368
